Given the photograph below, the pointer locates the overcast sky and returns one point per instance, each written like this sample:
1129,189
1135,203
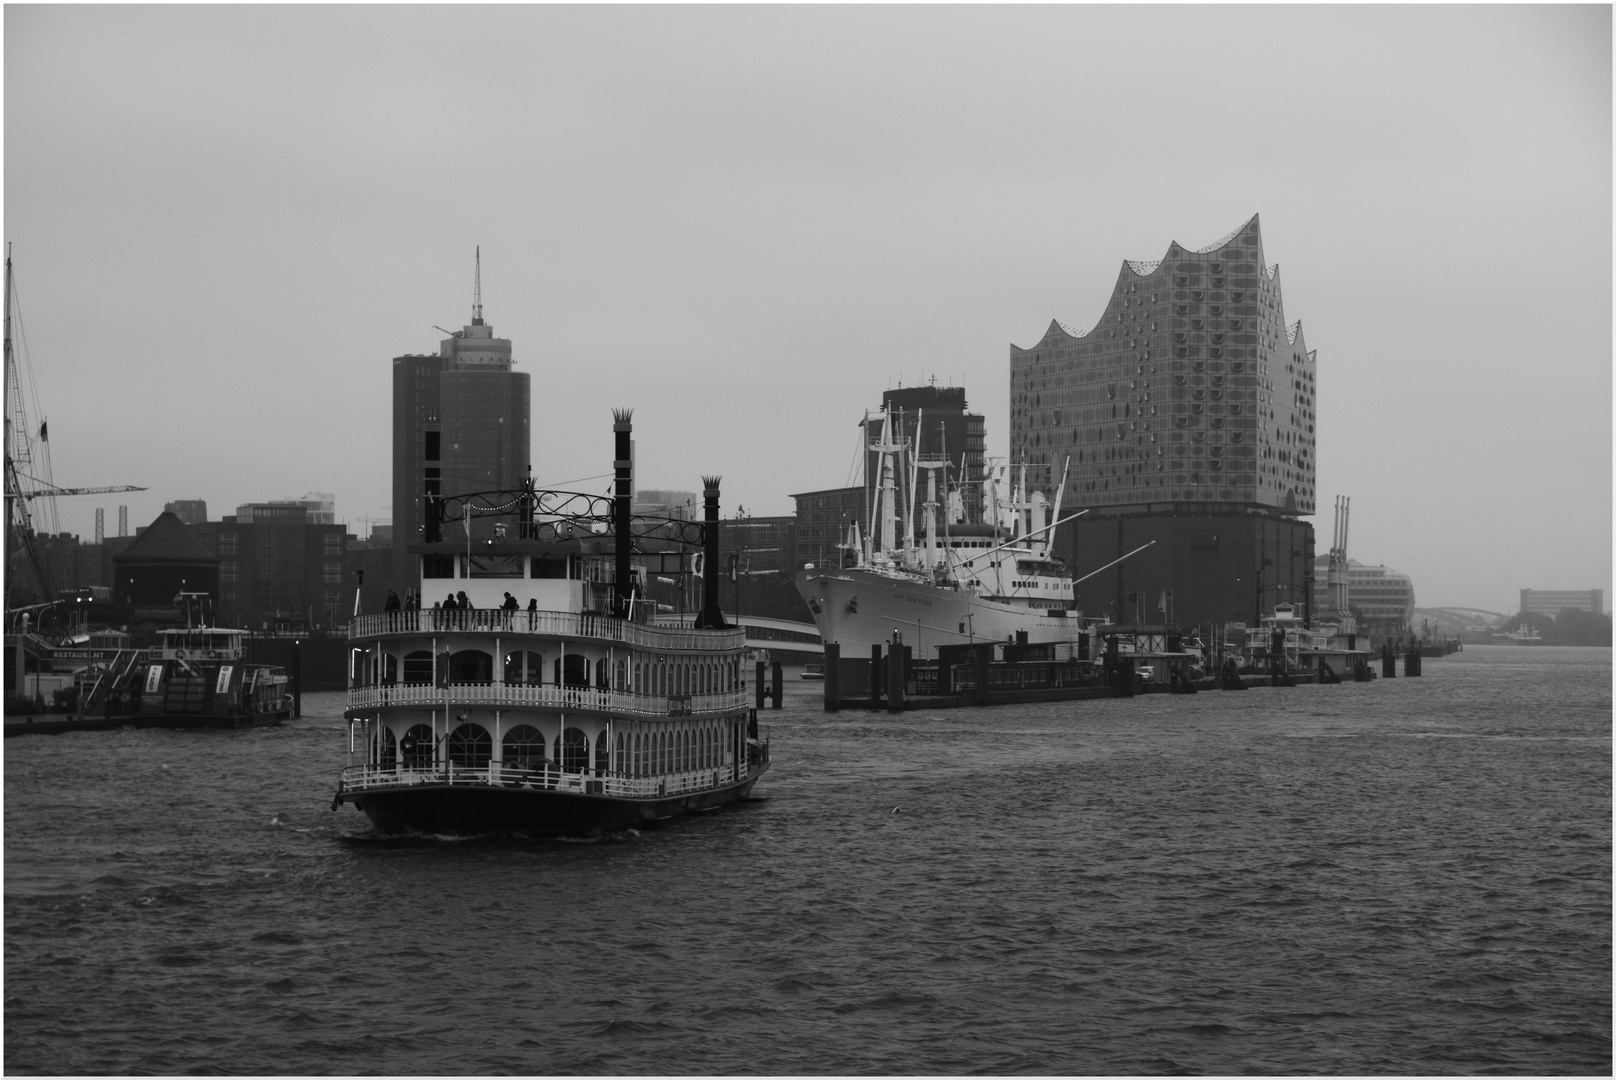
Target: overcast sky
748,222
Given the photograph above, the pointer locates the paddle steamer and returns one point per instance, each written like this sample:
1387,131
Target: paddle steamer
546,701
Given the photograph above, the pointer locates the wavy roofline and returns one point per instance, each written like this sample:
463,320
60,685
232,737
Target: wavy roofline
1146,267
1142,268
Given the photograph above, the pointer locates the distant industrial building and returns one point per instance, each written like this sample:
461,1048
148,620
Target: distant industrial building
1381,598
319,508
823,518
190,511
759,545
162,562
682,505
1552,601
279,565
1187,414
460,425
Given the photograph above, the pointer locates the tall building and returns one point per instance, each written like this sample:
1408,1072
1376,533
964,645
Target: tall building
946,429
460,425
1553,601
1187,414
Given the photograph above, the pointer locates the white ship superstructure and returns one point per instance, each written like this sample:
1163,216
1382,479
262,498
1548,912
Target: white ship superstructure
956,581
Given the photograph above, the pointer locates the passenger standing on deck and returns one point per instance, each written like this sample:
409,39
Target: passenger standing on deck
532,612
392,601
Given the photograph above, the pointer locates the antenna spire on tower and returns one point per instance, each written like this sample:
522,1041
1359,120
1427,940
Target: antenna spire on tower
477,291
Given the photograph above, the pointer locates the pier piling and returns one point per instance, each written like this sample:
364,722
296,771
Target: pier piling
833,677
895,677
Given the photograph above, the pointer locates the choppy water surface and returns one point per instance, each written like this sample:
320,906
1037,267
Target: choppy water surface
1409,876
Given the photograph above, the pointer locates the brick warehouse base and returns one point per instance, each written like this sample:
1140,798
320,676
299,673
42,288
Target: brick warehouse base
1218,567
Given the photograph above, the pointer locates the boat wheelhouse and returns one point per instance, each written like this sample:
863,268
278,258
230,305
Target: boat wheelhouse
536,695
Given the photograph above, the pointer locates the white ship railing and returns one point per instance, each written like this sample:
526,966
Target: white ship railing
562,624
615,785
565,698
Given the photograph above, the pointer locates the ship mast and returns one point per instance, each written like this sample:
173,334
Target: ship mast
19,465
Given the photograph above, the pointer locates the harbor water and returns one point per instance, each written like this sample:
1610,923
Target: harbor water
1404,876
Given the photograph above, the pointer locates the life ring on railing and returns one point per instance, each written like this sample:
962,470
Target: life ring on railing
179,654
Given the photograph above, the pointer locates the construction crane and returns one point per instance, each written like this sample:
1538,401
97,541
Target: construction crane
21,487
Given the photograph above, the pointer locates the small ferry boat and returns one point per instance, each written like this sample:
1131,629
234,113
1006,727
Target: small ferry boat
1284,642
197,676
813,672
546,701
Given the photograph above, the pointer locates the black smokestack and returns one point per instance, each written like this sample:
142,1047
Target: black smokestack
624,427
710,618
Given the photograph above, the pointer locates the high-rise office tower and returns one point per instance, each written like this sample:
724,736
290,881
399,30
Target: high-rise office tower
1187,414
946,429
460,425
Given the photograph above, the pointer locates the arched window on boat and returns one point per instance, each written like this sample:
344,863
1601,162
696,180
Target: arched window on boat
621,757
572,750
523,748
600,673
384,669
387,755
418,667
415,748
524,669
471,666
470,746
603,760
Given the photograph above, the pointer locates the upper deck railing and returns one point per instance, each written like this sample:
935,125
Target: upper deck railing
563,624
509,695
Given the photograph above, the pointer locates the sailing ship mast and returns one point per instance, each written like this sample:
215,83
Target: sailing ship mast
20,485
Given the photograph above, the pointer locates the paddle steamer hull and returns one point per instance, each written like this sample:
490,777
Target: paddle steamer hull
443,809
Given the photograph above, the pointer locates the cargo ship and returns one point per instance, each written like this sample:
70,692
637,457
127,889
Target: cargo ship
950,582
